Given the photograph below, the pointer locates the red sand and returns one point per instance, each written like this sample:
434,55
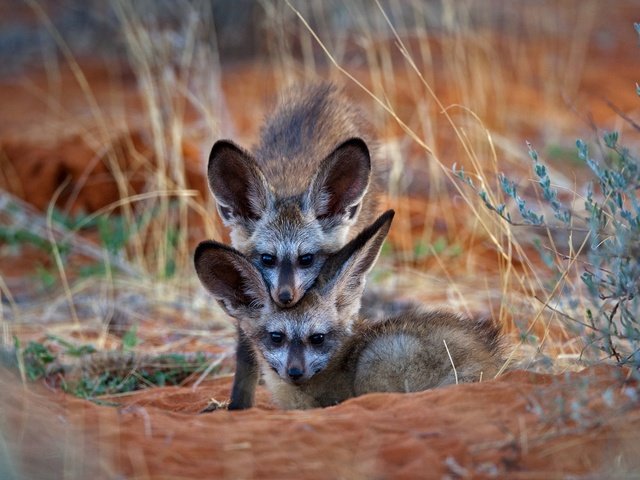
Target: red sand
519,426
522,425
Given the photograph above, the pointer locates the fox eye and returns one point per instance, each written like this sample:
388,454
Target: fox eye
316,338
276,337
268,260
305,260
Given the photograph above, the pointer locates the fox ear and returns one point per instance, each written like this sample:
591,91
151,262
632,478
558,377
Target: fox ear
237,183
340,183
345,271
231,279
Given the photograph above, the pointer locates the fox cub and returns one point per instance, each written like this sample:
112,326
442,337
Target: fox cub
319,353
308,188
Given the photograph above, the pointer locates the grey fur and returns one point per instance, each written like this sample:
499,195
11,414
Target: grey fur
309,186
405,352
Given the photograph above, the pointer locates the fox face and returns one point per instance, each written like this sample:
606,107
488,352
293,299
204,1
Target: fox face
288,231
298,342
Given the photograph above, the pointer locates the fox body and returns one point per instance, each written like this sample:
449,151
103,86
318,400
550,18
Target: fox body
318,353
406,353
308,187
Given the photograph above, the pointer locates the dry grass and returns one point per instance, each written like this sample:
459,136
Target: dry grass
439,81
445,83
473,61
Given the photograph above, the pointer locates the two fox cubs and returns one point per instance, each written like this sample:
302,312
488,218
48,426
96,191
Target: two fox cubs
318,353
307,189
294,208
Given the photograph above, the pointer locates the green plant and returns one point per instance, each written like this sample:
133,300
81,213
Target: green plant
35,358
45,277
611,273
440,246
90,373
126,373
114,232
72,349
20,236
130,339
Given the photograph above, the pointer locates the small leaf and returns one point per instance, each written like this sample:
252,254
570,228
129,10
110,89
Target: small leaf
611,139
532,153
130,338
583,151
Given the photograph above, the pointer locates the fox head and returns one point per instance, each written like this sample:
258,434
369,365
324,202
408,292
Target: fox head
289,237
297,342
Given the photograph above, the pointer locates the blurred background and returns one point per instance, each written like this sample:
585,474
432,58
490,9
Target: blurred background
109,109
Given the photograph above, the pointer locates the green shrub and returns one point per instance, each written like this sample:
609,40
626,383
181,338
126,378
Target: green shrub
612,271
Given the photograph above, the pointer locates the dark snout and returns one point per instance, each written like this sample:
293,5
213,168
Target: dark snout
285,293
285,296
295,361
295,373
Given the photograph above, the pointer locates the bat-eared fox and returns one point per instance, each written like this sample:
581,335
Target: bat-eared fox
308,187
319,353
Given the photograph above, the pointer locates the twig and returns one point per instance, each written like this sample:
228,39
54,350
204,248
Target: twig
562,314
613,348
455,372
212,365
624,116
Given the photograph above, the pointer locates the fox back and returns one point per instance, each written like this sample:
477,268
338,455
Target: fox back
308,187
415,351
318,353
422,349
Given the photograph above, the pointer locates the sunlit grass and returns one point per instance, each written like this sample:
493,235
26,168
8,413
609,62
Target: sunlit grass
437,80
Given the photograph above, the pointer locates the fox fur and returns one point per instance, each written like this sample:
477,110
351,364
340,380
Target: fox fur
305,190
405,353
309,187
318,353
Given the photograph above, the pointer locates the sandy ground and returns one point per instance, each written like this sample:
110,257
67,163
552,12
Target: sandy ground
522,425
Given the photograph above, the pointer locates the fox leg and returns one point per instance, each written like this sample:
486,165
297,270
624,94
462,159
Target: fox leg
246,377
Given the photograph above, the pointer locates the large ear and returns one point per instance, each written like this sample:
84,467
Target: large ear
237,183
341,181
345,271
231,279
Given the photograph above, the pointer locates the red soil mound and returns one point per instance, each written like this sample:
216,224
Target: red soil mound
94,179
522,425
